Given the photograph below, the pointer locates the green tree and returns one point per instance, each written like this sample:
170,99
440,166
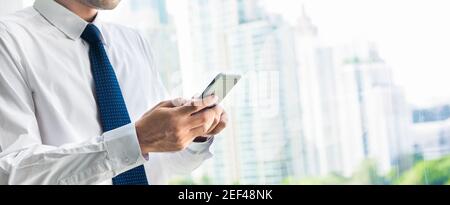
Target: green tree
367,173
433,172
436,172
334,179
205,180
182,181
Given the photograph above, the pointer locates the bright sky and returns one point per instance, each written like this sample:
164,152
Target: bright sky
413,36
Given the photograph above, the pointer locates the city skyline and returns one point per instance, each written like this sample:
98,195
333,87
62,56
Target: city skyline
230,42
317,87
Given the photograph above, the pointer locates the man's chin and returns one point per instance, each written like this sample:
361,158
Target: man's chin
102,5
106,9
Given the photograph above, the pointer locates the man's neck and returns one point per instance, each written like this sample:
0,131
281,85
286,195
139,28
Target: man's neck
85,12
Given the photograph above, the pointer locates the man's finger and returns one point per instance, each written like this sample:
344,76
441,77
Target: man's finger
214,124
199,131
218,110
198,104
221,125
224,117
167,103
200,119
178,102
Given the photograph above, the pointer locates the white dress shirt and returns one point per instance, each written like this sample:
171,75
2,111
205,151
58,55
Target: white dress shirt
50,131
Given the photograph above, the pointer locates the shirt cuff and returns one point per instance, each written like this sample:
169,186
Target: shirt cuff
200,147
123,148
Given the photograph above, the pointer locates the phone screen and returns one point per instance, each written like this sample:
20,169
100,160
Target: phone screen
221,86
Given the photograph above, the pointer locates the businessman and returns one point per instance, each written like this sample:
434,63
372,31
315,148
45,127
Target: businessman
82,103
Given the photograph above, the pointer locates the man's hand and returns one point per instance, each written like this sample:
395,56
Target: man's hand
168,128
220,120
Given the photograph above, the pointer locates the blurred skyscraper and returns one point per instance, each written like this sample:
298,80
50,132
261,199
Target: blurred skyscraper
331,121
304,109
384,112
431,139
238,36
351,108
431,132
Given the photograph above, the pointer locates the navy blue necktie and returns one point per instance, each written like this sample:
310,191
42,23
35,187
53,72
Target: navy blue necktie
110,102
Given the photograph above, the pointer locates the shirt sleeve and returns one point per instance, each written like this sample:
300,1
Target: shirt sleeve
24,159
161,167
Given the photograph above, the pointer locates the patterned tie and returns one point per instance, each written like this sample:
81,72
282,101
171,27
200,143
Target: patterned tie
110,102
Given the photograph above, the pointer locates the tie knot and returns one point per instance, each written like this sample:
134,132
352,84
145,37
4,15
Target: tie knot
91,34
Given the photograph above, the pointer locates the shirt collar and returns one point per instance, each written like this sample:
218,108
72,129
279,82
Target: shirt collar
63,19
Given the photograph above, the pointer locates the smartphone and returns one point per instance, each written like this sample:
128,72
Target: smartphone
221,86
